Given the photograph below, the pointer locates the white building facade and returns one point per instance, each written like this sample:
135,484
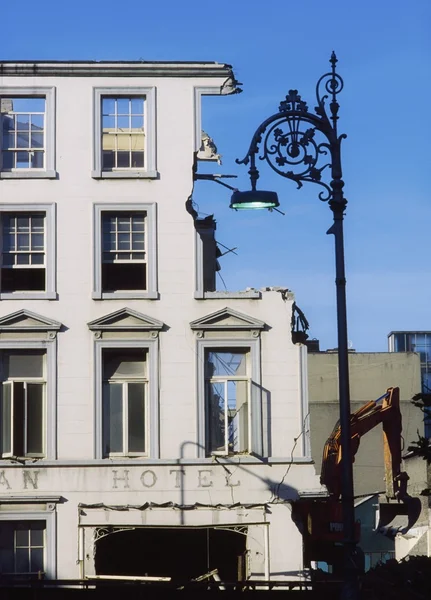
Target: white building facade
144,414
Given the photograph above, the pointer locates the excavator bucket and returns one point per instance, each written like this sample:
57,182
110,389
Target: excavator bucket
388,511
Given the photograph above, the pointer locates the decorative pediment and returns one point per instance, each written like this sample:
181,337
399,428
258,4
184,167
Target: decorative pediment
227,319
125,319
24,320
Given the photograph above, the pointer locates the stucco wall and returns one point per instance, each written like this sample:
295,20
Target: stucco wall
75,475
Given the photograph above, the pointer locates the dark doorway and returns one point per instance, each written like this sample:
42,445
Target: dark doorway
181,553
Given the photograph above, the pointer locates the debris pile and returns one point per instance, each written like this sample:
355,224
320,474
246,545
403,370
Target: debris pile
408,579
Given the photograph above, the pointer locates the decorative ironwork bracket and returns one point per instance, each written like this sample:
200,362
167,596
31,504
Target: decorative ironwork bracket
294,142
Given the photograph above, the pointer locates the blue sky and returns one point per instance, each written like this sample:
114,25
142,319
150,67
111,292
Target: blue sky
384,52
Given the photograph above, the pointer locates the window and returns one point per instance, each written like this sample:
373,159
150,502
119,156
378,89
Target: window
124,402
123,254
123,135
23,124
227,385
22,547
23,391
28,248
231,402
27,132
126,385
124,132
125,251
23,264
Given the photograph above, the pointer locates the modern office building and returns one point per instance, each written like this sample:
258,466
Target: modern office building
419,342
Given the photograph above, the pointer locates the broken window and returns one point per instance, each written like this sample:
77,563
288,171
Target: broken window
227,385
124,402
180,553
23,253
124,257
22,546
23,391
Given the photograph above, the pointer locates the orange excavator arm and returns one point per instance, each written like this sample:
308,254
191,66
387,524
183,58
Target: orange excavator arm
385,410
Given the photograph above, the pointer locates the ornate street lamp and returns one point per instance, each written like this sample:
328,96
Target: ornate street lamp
300,145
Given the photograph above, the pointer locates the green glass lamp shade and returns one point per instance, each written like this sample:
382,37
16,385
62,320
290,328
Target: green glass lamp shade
254,199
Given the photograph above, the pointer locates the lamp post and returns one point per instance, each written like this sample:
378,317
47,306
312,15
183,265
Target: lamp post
294,143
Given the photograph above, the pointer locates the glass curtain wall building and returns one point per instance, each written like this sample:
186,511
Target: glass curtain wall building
420,342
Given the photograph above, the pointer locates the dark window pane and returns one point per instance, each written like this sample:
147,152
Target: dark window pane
35,418
123,160
23,363
108,160
8,123
22,563
8,140
18,418
136,423
138,160
400,342
7,160
37,159
37,259
36,560
216,417
113,401
22,536
37,533
23,259
123,363
6,415
23,280
126,276
23,241
37,241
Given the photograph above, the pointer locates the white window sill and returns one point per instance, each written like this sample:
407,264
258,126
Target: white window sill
251,294
28,174
28,296
125,174
125,295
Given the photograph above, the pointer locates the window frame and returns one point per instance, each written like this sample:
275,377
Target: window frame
151,293
50,408
49,517
224,380
50,250
48,172
152,398
255,425
149,171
